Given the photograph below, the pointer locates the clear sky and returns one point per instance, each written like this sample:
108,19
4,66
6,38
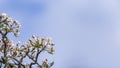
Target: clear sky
86,32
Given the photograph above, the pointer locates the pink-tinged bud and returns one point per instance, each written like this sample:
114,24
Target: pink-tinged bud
9,44
43,39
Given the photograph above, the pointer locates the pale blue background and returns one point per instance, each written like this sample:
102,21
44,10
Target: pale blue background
86,32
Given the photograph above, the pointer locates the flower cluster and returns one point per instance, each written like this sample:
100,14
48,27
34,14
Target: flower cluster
32,50
42,43
7,24
45,64
13,54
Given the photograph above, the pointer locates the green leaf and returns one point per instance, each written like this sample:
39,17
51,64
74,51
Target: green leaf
50,52
4,29
1,25
0,49
37,46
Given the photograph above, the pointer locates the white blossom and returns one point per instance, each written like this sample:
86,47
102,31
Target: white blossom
4,14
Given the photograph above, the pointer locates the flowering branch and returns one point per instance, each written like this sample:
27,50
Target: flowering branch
13,55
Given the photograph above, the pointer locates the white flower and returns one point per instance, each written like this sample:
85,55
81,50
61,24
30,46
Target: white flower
16,22
9,20
49,38
48,47
4,14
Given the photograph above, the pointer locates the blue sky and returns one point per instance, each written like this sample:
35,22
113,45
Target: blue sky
86,32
